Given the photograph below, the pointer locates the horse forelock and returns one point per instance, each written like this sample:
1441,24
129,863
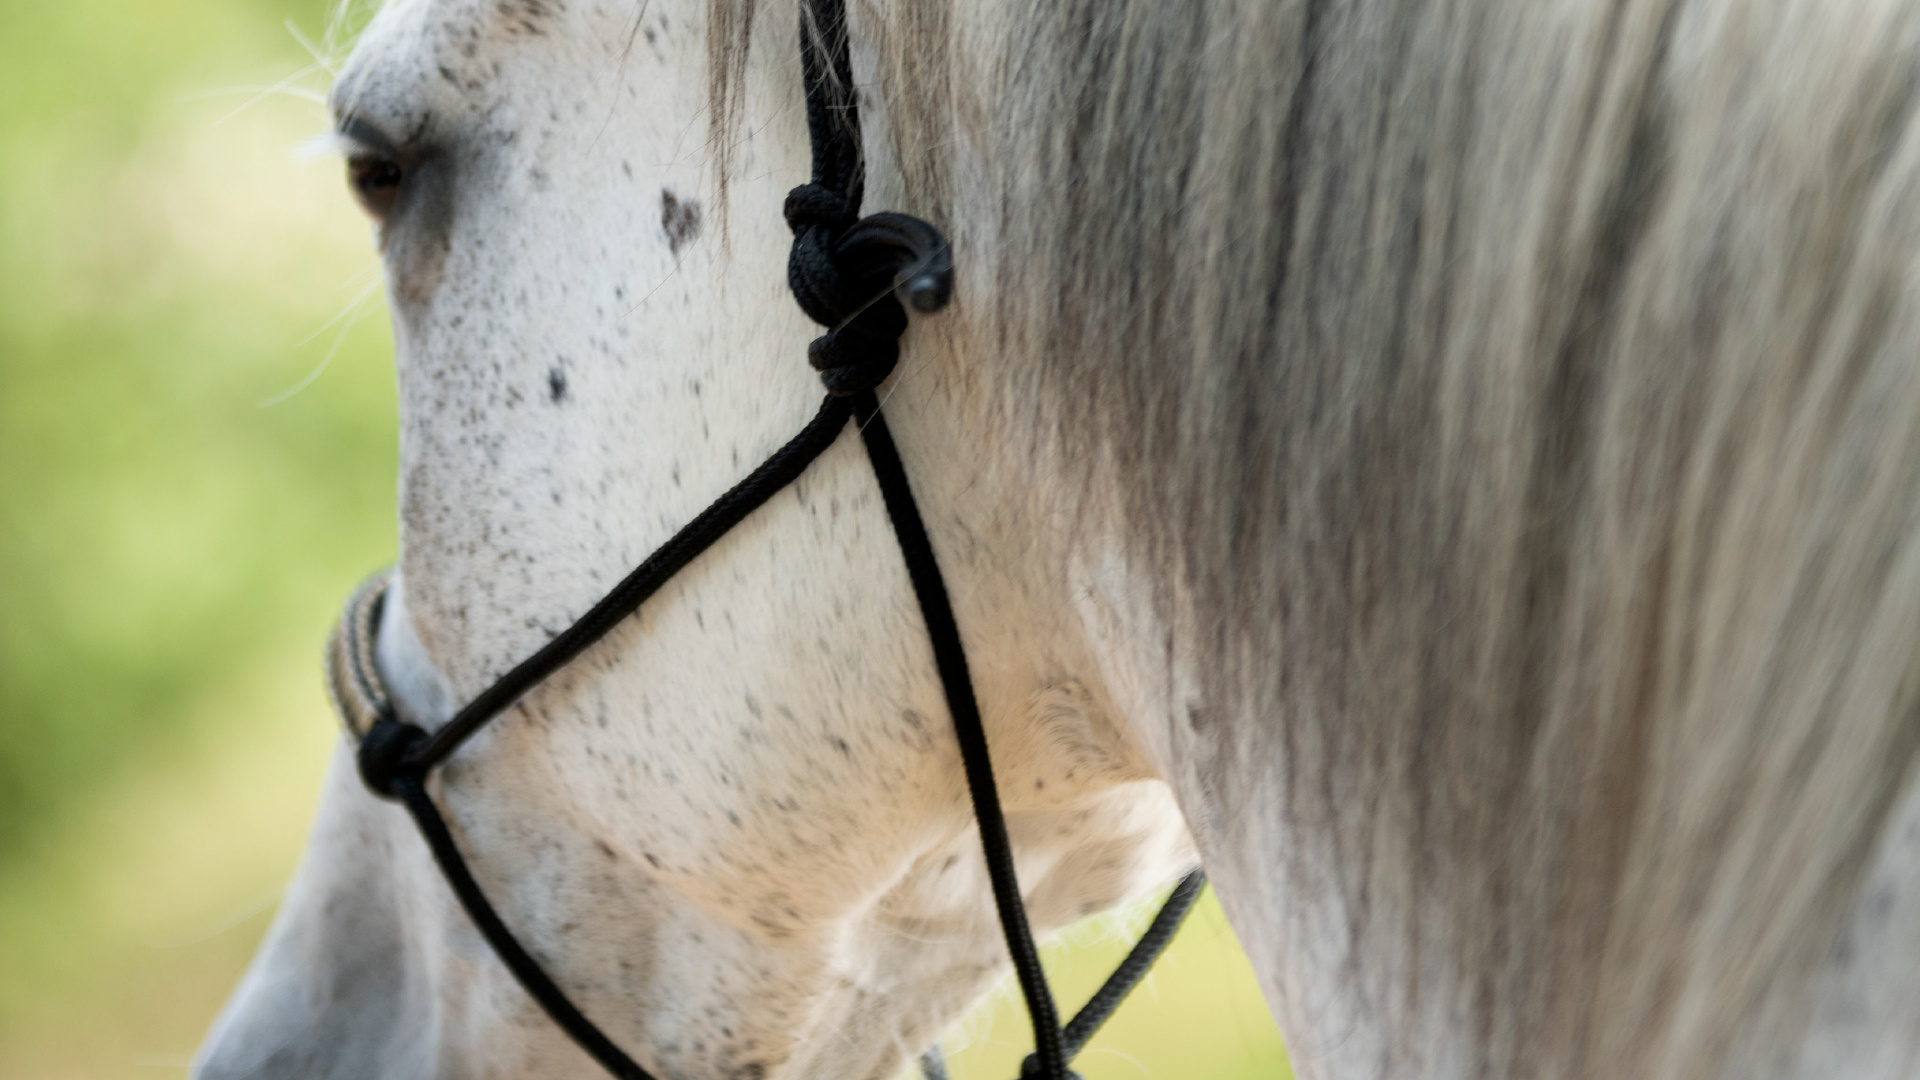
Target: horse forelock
1516,402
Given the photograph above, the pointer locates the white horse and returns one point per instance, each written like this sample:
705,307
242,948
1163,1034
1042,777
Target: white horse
1452,466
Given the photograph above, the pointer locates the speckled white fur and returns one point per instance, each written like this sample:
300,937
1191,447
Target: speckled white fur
736,830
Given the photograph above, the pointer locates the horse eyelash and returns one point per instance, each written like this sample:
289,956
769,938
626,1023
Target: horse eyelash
331,144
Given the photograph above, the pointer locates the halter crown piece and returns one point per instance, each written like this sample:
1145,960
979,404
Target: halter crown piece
851,275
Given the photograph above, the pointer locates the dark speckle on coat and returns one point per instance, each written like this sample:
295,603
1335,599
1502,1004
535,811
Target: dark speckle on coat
680,218
527,17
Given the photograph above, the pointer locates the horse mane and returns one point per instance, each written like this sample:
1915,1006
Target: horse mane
1522,401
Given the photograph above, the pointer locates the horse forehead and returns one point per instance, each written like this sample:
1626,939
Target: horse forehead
449,54
469,28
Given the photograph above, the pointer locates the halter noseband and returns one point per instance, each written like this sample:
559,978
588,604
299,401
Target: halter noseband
851,275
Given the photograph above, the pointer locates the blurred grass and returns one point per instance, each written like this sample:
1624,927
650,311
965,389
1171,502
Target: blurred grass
176,529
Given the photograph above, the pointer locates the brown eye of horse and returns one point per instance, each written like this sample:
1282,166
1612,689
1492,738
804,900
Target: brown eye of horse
375,182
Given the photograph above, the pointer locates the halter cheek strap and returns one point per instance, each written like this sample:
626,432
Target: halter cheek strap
852,276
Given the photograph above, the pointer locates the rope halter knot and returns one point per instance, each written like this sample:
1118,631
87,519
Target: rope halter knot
386,757
1031,1068
856,277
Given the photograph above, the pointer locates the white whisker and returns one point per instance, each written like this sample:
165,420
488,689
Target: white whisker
325,145
347,318
264,89
321,56
221,925
286,87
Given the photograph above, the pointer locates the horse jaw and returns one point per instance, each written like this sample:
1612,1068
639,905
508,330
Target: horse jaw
737,830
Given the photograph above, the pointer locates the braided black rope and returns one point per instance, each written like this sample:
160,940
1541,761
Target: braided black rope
412,791
773,475
950,657
852,275
1139,960
1101,1006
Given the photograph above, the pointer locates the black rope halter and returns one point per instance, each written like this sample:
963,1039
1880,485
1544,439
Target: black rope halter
850,274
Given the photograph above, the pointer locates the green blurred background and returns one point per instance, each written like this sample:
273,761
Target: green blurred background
196,463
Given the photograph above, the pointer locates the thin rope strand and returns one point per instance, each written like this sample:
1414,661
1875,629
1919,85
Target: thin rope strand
1140,959
526,970
950,658
623,599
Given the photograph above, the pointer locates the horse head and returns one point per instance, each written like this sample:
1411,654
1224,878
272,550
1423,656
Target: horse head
736,829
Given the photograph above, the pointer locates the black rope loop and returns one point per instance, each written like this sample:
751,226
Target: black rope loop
850,274
812,206
856,278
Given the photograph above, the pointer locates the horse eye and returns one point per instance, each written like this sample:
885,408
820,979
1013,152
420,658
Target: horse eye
376,183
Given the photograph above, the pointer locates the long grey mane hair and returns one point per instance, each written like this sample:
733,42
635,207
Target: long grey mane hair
1521,400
